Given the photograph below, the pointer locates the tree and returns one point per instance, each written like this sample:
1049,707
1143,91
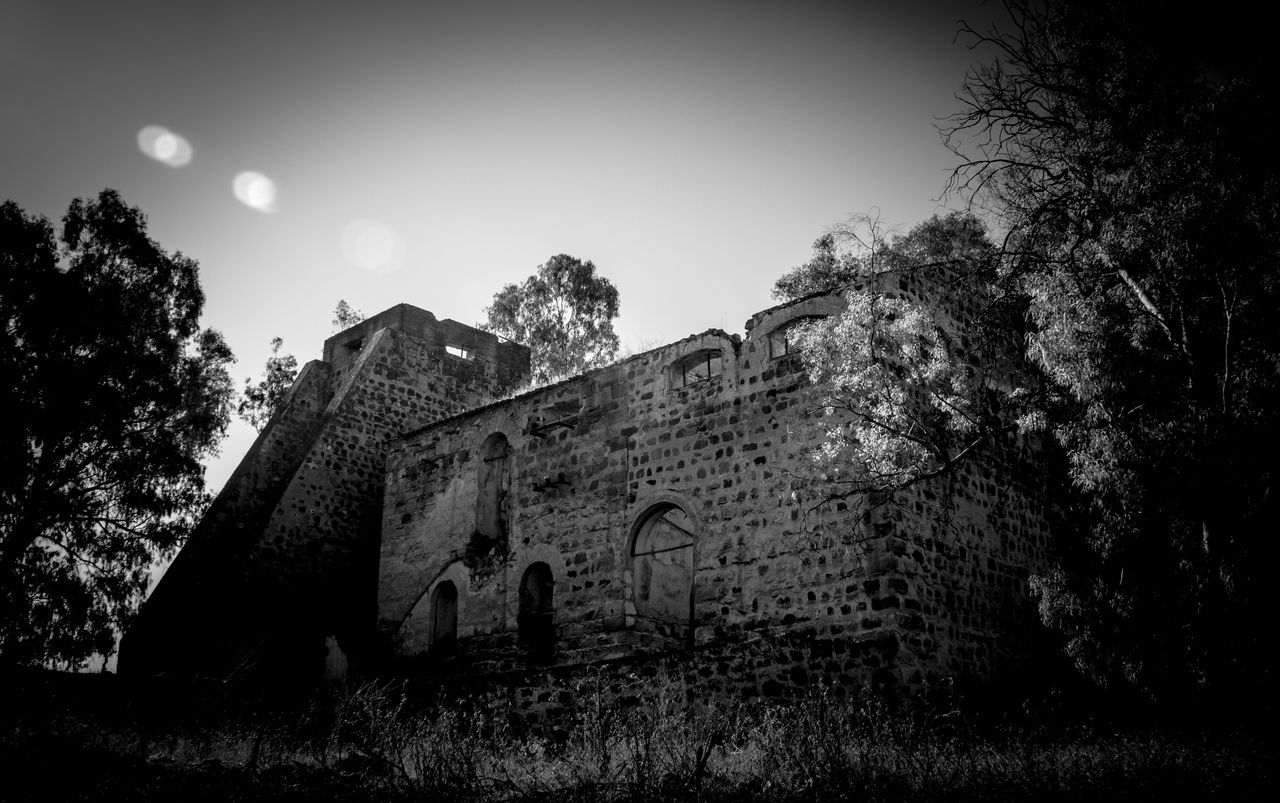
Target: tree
564,313
906,406
841,255
828,269
113,395
1127,149
345,316
259,402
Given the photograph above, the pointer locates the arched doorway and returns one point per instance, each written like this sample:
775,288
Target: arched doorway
444,620
536,620
662,570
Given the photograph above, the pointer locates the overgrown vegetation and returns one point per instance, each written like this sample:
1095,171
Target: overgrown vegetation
369,742
1125,151
261,401
1121,315
564,313
114,396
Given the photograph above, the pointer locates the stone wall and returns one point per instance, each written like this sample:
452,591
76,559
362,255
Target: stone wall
189,624
933,582
651,513
287,555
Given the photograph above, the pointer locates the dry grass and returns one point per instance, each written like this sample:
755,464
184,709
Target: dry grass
367,743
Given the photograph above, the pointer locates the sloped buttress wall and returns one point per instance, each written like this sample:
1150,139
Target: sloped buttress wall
286,559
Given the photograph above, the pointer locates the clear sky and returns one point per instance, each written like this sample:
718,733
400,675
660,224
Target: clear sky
431,152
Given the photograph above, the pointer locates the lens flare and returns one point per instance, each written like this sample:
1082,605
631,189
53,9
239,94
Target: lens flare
164,146
255,191
372,246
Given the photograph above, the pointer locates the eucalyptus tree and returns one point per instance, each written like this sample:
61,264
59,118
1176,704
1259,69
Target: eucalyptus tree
113,396
1127,150
564,313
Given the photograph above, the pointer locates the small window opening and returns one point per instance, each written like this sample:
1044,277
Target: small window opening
536,620
561,414
696,367
458,351
354,345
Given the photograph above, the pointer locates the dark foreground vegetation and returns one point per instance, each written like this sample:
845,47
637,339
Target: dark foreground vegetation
92,738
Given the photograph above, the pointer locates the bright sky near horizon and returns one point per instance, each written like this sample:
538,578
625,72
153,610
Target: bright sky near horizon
429,153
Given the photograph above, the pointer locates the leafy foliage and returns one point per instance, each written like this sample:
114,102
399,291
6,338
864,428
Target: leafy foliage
1131,163
345,316
863,246
564,313
841,255
886,367
828,269
261,401
908,401
113,396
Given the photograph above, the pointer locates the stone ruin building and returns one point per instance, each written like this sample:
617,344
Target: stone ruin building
393,519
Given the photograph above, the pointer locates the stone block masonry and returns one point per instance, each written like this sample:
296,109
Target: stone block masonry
286,557
658,502
648,513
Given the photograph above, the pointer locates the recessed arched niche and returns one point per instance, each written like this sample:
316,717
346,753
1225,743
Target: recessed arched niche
493,479
663,565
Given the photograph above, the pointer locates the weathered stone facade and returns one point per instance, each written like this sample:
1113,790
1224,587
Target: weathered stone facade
287,553
643,512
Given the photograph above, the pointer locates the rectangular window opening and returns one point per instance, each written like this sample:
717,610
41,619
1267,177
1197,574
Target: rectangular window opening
458,351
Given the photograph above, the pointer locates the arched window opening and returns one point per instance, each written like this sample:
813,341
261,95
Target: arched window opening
444,619
695,367
493,480
783,340
662,564
536,620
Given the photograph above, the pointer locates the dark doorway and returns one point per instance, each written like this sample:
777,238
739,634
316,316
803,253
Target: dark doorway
444,619
537,612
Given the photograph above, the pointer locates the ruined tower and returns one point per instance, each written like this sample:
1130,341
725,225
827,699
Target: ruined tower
286,558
